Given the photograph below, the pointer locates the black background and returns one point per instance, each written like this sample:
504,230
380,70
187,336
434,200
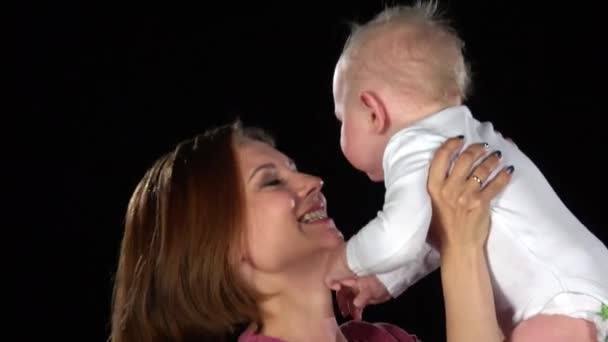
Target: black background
105,88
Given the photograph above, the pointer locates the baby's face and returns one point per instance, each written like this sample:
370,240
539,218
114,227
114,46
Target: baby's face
360,146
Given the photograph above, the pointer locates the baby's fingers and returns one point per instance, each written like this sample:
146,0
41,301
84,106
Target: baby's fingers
344,297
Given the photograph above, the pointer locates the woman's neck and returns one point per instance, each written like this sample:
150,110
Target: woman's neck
302,311
302,316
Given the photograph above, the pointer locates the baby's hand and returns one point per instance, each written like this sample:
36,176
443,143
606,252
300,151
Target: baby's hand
338,269
357,292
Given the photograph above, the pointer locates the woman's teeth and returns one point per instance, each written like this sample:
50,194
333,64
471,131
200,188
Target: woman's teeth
313,216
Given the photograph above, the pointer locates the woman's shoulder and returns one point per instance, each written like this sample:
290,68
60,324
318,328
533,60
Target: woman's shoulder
249,336
355,331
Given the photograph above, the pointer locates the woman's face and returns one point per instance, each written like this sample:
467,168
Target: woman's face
286,222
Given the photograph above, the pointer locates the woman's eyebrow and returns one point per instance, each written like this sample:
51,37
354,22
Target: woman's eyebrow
261,167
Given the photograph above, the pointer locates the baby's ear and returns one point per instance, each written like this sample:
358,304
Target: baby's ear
378,115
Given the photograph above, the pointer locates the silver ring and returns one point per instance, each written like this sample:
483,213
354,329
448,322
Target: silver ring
478,180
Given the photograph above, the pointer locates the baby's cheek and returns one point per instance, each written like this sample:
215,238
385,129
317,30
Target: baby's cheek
343,143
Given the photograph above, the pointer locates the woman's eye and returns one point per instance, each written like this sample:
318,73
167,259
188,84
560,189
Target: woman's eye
273,182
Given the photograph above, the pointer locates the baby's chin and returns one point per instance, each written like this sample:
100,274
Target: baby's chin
374,177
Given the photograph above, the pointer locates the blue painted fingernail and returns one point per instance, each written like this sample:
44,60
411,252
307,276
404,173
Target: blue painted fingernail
497,154
510,169
460,136
486,145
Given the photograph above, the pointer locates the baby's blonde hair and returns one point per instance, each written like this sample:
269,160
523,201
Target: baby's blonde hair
420,40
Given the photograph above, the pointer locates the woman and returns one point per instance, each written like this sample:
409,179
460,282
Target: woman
224,232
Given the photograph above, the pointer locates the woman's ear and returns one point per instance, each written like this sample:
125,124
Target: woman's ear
239,257
244,267
378,115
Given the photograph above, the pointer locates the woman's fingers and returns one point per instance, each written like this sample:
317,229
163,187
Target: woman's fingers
455,186
481,173
497,184
465,184
440,164
465,161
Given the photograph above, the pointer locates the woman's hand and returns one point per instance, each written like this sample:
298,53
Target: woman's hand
461,199
460,227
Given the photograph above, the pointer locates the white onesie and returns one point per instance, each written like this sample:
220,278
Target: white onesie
541,257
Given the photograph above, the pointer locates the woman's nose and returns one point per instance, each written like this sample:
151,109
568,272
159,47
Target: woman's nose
309,184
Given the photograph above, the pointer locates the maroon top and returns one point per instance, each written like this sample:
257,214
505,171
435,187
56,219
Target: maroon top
354,331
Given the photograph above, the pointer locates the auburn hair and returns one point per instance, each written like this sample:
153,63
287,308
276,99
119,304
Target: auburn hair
176,279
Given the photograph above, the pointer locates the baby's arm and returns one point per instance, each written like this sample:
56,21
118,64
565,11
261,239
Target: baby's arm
398,280
394,244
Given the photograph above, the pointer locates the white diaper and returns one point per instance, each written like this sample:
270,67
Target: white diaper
582,306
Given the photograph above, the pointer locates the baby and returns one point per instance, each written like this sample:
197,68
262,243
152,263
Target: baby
398,90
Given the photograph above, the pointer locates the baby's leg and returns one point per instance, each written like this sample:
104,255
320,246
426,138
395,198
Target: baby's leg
567,317
554,328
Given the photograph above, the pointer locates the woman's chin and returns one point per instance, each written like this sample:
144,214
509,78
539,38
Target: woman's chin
333,240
